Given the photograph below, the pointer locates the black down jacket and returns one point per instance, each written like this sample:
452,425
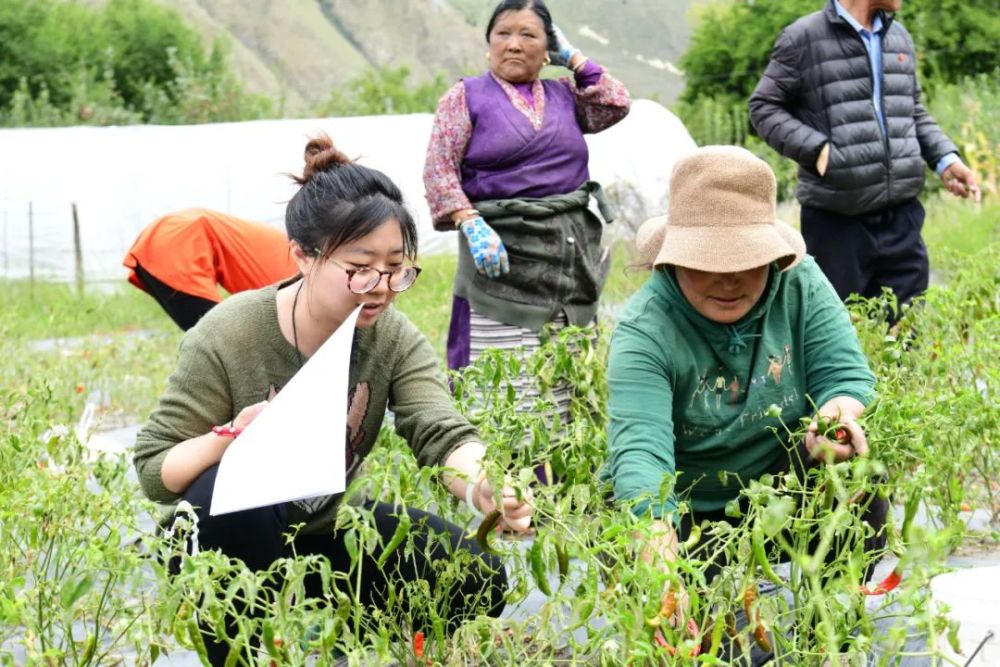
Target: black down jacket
817,88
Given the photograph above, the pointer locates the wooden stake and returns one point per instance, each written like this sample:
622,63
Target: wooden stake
5,249
77,251
31,248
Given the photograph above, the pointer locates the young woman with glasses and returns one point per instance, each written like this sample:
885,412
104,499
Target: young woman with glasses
354,244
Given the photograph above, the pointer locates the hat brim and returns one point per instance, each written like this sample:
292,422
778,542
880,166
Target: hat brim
720,249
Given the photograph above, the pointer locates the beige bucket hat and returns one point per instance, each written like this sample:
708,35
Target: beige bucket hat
722,216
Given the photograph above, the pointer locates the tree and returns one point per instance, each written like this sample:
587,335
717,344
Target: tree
384,91
732,42
954,38
64,63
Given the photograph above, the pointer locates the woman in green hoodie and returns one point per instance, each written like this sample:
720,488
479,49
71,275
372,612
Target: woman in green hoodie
733,320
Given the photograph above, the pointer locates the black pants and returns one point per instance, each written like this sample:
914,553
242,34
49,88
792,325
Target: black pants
184,309
862,254
257,538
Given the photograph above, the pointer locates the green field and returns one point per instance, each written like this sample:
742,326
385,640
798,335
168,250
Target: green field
80,581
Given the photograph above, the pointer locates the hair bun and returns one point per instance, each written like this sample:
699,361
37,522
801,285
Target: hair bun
321,155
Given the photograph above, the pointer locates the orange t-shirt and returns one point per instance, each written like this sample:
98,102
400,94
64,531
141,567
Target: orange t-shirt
196,250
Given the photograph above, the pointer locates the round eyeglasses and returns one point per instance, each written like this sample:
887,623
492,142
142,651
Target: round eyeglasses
365,279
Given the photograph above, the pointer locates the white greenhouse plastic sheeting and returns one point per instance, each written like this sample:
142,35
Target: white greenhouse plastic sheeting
122,178
973,596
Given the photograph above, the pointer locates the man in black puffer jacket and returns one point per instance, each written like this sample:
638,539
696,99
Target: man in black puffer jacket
840,97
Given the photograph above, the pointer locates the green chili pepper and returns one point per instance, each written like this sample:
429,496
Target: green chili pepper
344,606
953,640
439,631
402,530
910,511
89,650
269,645
717,629
757,543
693,538
585,608
538,570
562,558
233,657
490,522
194,632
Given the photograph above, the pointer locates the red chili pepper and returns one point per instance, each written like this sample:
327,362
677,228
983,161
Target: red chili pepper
760,636
662,642
418,644
749,597
884,586
668,604
832,430
759,631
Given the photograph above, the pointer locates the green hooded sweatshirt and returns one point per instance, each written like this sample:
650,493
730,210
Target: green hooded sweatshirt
691,396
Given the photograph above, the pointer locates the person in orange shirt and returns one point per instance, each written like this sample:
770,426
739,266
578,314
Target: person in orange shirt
182,258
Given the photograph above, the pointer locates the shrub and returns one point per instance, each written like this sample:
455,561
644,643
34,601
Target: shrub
129,61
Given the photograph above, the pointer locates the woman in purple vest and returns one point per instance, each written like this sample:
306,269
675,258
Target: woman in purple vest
507,165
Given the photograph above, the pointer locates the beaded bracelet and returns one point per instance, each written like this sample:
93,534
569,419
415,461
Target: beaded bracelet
227,431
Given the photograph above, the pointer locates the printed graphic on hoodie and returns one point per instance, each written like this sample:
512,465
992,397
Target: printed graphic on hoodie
719,390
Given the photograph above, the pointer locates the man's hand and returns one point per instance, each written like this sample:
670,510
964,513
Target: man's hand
823,159
961,182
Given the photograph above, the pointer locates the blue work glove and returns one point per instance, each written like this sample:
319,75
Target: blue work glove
486,247
563,51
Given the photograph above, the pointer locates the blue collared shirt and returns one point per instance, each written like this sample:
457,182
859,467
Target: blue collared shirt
872,40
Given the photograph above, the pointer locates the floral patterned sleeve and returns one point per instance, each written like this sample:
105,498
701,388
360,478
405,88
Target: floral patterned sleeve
442,176
601,100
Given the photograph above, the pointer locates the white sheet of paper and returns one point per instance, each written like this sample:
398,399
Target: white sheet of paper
295,448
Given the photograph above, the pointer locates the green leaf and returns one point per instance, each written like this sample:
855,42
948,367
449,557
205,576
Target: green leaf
351,544
776,513
953,640
74,590
733,509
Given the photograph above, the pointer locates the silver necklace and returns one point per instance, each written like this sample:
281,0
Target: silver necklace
295,332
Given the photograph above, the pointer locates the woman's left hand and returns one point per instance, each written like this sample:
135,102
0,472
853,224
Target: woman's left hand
564,51
515,514
854,442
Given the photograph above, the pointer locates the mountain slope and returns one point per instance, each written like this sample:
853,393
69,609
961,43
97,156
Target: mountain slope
301,50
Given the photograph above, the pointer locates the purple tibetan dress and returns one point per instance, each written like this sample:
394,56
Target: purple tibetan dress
496,140
496,144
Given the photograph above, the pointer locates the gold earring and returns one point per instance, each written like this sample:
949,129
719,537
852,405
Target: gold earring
487,56
547,61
